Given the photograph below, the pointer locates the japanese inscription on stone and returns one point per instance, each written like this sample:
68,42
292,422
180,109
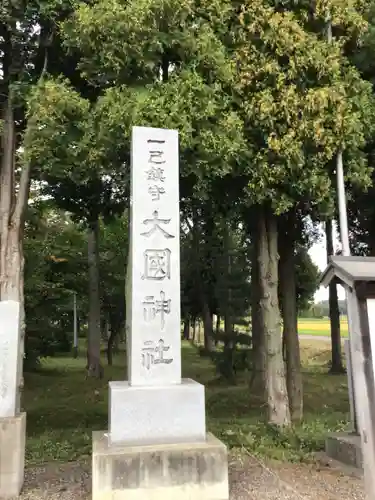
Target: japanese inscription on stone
155,222
153,307
153,354
155,173
155,192
153,278
157,264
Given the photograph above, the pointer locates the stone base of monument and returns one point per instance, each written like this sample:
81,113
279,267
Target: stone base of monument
156,446
157,414
182,471
12,455
346,448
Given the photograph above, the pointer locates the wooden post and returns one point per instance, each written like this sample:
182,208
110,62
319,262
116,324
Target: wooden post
363,382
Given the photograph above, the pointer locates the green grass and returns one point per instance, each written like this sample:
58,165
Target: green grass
63,408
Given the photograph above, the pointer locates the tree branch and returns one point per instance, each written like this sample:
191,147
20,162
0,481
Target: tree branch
23,193
6,167
188,223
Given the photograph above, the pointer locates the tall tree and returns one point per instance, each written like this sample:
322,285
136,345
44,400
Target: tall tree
334,311
20,49
289,82
64,137
361,209
288,298
26,33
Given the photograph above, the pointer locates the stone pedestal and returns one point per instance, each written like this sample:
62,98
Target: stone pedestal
12,455
345,448
190,471
157,414
157,447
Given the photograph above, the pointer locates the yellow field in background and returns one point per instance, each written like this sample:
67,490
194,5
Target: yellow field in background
310,326
319,325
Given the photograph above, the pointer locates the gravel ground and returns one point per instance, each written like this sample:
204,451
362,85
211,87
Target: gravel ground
317,482
250,480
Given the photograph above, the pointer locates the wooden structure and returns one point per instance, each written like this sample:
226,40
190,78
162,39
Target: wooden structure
357,275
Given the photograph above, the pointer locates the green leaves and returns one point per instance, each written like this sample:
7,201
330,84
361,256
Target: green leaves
301,101
66,140
57,124
125,41
348,14
210,131
260,95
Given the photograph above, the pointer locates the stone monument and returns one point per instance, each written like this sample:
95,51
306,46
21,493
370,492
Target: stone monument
12,422
156,445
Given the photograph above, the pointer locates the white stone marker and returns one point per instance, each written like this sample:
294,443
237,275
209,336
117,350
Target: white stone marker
9,351
155,405
153,307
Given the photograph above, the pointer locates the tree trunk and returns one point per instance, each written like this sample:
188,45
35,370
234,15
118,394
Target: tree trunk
228,320
209,344
288,296
334,312
257,337
118,339
274,380
218,320
110,345
194,330
11,258
186,328
217,329
114,323
12,215
94,367
200,285
104,328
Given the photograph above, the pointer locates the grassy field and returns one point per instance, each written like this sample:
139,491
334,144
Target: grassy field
63,407
320,327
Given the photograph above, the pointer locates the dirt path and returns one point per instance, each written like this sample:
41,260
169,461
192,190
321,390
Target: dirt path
320,338
250,480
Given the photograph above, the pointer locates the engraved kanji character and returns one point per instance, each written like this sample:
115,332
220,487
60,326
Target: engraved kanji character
155,222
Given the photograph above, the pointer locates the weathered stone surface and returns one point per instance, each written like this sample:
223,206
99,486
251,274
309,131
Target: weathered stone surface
9,357
182,471
12,455
345,448
163,414
153,279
